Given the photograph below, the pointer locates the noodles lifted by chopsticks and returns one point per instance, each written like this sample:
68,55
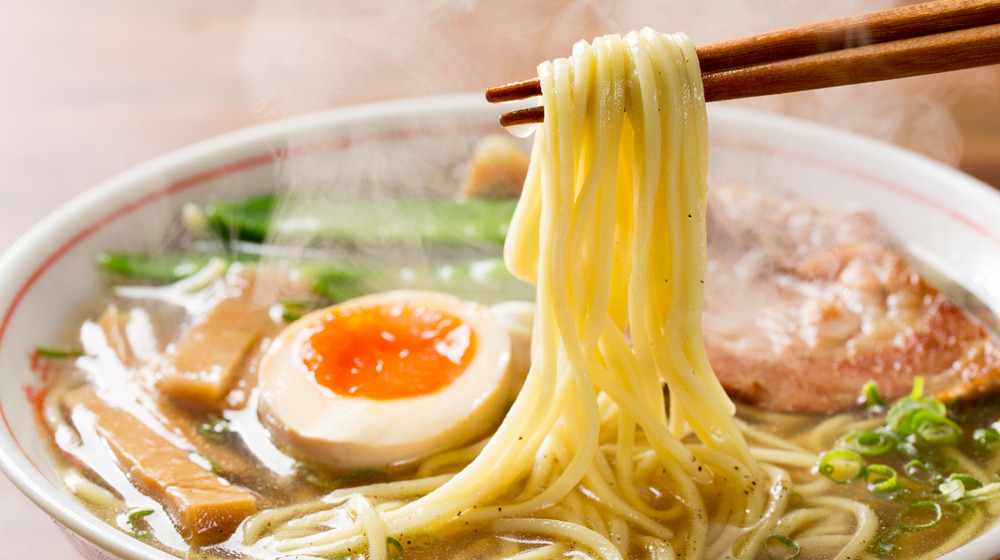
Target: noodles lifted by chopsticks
610,228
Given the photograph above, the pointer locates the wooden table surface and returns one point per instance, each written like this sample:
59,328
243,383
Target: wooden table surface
92,88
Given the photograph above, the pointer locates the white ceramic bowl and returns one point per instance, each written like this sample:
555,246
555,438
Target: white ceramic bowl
48,278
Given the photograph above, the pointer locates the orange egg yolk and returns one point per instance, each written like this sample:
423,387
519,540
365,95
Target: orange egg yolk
388,352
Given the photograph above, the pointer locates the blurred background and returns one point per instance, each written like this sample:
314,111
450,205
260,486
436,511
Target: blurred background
93,88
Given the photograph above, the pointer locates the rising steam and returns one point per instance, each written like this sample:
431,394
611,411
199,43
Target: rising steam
307,55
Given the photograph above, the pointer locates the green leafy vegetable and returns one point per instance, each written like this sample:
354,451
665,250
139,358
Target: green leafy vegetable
215,428
873,399
137,523
394,549
422,540
842,465
435,221
793,547
58,353
887,542
961,512
205,462
987,438
919,471
334,281
158,268
317,475
882,479
870,443
920,516
293,310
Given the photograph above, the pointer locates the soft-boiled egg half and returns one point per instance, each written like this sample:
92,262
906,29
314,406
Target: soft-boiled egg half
386,379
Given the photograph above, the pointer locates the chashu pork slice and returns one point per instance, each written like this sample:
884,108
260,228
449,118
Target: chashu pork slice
804,306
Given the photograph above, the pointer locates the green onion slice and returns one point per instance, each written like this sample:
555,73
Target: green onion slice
394,549
359,475
293,310
796,499
988,491
870,443
961,511
882,479
59,353
215,428
423,540
910,519
136,519
786,543
872,396
908,417
887,542
970,482
939,431
842,465
952,490
987,438
920,471
139,514
204,462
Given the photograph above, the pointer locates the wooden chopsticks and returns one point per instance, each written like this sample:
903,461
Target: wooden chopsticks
914,40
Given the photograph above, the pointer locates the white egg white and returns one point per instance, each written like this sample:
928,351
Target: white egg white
349,432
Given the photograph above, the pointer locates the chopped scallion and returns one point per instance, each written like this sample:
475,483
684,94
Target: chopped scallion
872,396
842,465
139,514
796,499
293,310
920,471
137,523
870,443
793,547
987,438
961,511
970,482
920,516
424,540
988,491
360,475
59,353
887,542
938,432
204,462
215,428
393,549
952,490
881,479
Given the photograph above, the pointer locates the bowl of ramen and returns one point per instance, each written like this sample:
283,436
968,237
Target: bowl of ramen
336,336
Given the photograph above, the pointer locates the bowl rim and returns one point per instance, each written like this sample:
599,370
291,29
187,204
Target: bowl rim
22,260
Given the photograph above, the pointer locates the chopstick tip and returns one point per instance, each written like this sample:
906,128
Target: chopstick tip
531,115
